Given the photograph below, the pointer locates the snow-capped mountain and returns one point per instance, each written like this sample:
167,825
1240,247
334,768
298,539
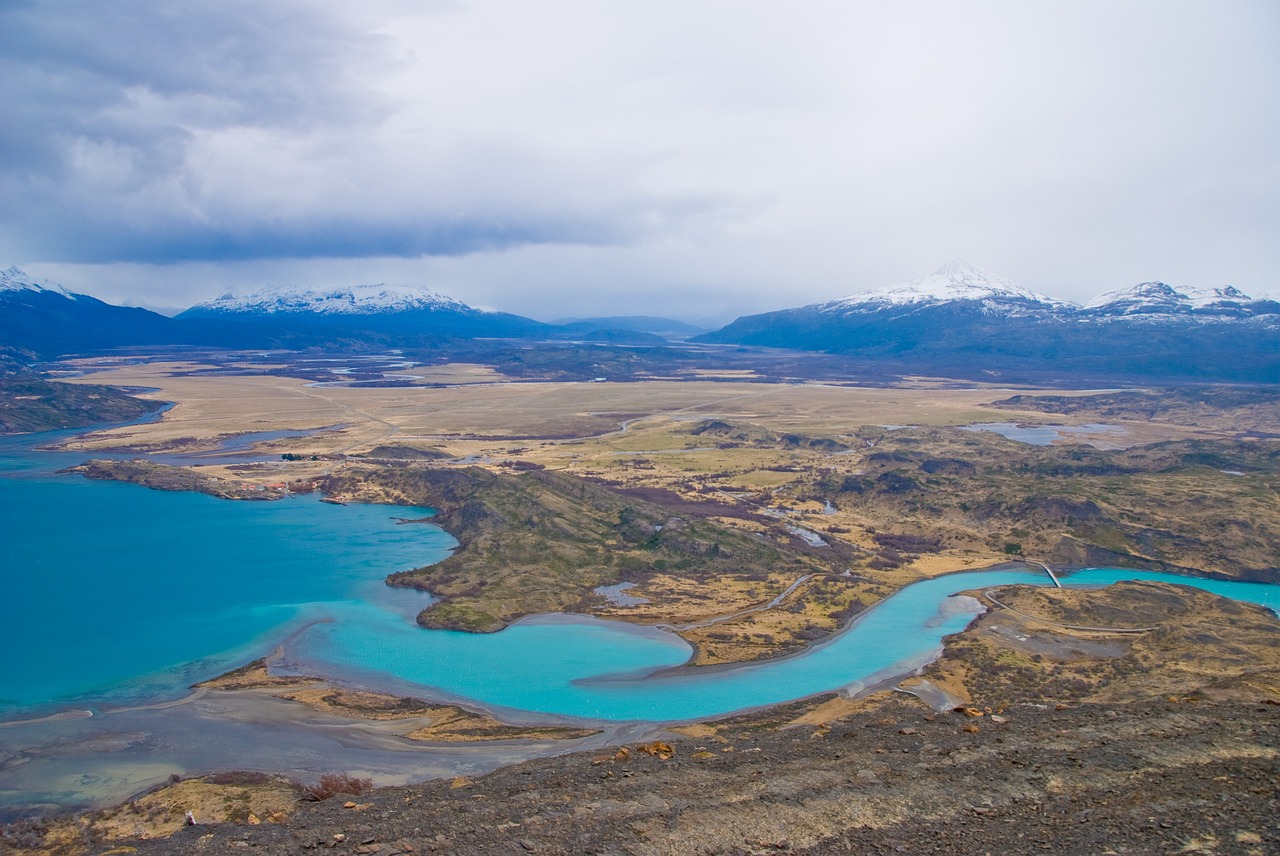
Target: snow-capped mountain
16,279
961,320
1158,299
956,281
44,319
386,314
344,300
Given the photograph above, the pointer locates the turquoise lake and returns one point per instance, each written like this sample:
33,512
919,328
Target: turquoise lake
118,593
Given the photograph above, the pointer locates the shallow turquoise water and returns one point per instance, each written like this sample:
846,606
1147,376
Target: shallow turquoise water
117,593
606,671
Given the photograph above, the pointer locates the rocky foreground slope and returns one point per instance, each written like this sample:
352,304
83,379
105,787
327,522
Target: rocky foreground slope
1160,777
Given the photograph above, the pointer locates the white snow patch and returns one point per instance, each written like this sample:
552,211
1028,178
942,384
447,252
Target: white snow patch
343,300
1150,297
16,279
957,280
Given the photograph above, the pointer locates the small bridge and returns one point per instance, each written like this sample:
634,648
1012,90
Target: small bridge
1056,582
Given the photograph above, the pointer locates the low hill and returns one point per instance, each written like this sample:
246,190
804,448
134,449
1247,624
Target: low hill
666,328
1052,645
28,403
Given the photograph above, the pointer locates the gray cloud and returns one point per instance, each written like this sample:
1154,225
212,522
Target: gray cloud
251,130
571,156
106,106
135,75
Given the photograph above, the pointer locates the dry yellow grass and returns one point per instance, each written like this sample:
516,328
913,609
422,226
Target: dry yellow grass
357,703
161,813
680,600
210,406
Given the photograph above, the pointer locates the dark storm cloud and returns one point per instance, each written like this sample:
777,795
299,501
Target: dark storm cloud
326,237
126,73
158,131
104,103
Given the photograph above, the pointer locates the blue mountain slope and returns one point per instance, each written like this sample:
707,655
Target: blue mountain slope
962,321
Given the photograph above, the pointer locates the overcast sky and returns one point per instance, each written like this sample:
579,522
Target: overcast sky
694,158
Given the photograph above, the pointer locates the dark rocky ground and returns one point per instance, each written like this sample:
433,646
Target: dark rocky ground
1156,777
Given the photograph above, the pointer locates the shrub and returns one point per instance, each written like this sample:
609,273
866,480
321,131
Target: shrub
335,783
25,834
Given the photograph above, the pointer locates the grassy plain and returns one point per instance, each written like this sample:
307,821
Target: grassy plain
476,417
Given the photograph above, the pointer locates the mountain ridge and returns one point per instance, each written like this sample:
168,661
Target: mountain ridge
293,315
957,280
366,299
16,279
39,320
960,320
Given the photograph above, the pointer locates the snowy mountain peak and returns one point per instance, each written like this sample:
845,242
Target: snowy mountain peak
1210,296
372,299
16,279
957,280
1158,298
1145,293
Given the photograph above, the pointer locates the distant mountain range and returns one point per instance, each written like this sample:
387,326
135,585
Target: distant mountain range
956,322
44,320
411,315
962,320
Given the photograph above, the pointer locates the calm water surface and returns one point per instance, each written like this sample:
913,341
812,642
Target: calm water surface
117,592
1042,435
601,670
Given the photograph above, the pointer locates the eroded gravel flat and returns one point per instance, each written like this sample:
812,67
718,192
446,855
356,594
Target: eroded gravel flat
1162,777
